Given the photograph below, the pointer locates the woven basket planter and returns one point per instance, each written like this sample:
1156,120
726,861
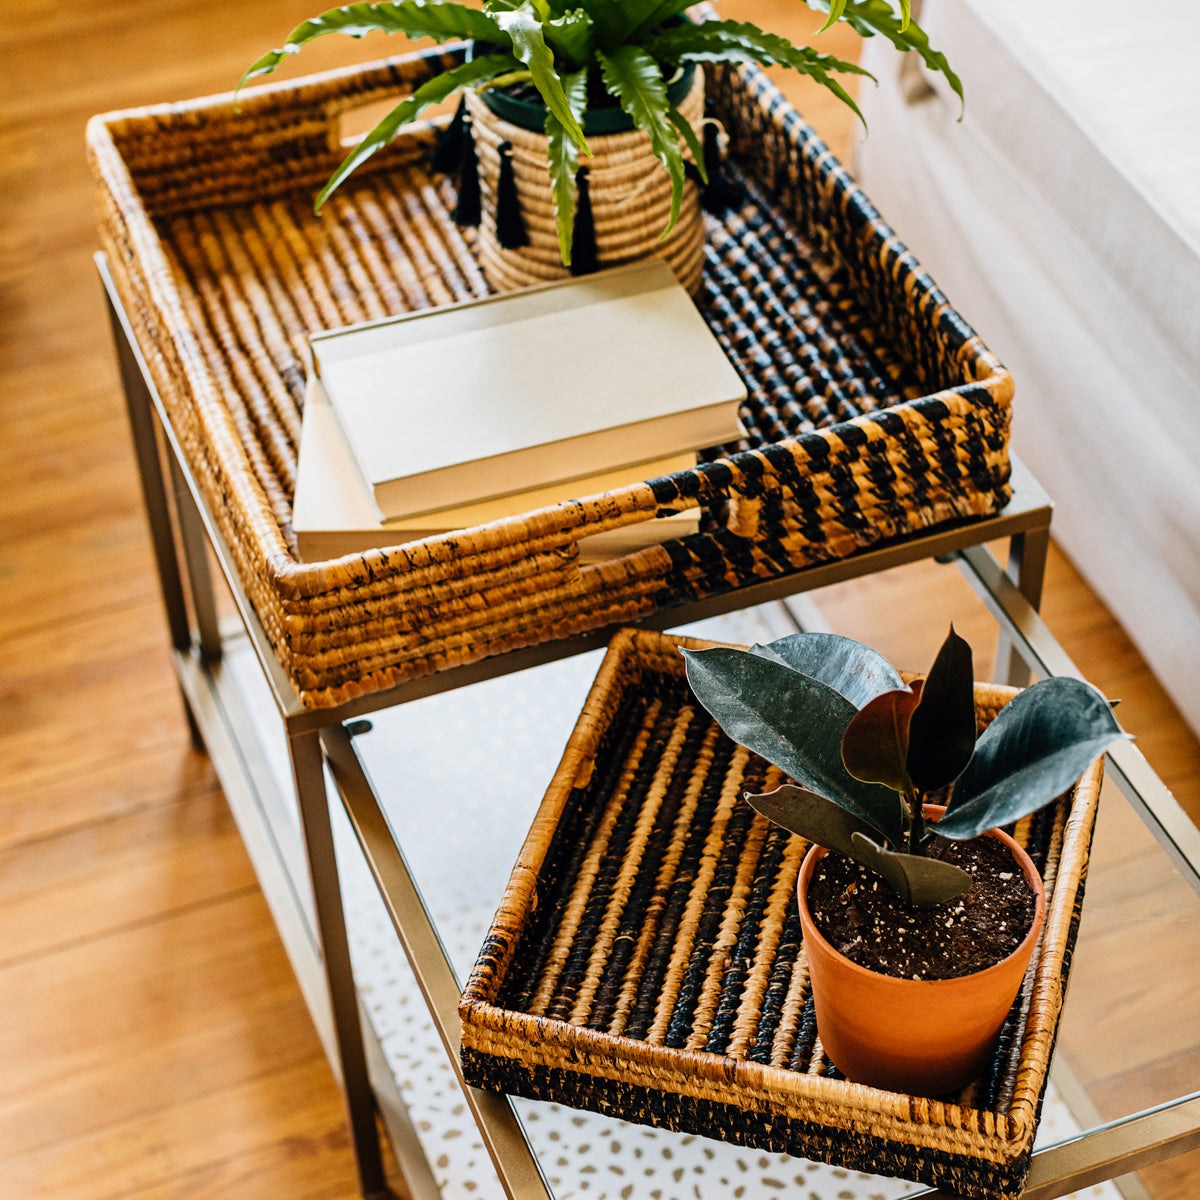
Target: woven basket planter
874,411
630,195
646,959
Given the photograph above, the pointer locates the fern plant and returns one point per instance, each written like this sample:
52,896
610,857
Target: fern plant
623,50
869,750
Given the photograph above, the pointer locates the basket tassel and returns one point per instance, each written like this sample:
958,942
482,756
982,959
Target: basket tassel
510,225
584,259
448,149
467,210
721,193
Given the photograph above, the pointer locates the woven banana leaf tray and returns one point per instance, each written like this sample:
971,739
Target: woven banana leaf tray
646,959
874,411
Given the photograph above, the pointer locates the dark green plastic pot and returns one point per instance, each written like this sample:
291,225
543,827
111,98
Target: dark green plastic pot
522,106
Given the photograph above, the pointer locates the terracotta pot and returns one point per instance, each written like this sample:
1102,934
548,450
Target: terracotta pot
922,1037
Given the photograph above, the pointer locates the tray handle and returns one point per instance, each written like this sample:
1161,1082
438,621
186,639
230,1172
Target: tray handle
352,114
351,118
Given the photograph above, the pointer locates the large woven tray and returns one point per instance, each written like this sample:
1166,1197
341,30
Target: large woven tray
646,959
874,410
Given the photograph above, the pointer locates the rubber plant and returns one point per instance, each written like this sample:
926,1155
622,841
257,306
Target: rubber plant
867,750
581,52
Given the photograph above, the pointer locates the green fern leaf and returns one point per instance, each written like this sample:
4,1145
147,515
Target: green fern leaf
563,158
444,22
524,30
836,8
636,80
571,38
869,17
740,41
693,142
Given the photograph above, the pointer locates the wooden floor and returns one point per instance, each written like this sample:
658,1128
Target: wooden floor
152,1040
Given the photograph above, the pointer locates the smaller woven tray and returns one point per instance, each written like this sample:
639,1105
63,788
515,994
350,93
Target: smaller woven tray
646,959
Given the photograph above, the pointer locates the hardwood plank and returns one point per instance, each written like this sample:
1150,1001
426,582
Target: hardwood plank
906,612
140,866
164,1150
96,788
105,710
304,1167
113,1057
106,563
1131,1091
154,1043
72,1012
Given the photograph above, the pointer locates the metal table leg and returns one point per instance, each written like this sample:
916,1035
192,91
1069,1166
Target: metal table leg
1027,555
309,778
195,556
139,406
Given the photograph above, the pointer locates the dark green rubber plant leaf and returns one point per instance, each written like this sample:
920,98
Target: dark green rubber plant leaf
433,91
941,736
1039,744
563,160
875,744
793,721
850,668
636,80
917,880
740,41
524,29
444,22
814,818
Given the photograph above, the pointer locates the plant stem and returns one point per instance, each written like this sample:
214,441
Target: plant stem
916,828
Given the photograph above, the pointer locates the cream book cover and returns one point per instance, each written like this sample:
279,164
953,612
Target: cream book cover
332,514
544,385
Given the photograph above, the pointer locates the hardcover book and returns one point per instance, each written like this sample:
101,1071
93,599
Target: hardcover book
467,402
333,515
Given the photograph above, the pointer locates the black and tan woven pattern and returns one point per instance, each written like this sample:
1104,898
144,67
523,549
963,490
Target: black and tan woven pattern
874,410
646,959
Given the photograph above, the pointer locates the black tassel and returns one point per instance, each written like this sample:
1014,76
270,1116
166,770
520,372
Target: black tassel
721,193
447,150
584,259
510,225
467,210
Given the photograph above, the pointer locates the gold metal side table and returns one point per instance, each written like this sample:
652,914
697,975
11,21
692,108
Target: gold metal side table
297,868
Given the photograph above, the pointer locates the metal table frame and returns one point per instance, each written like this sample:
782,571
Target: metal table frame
299,875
